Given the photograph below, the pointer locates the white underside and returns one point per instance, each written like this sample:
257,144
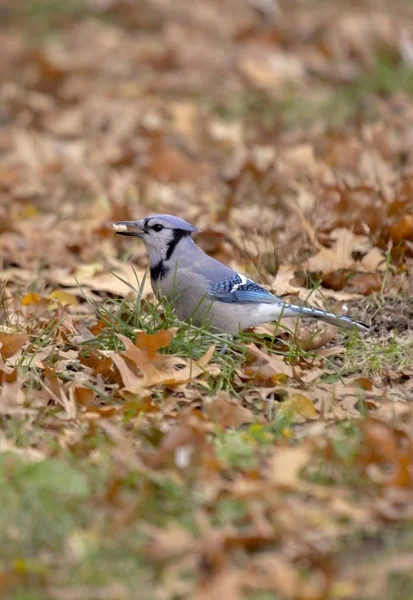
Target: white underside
231,317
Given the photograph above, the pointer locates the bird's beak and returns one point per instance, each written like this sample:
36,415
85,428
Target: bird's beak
131,228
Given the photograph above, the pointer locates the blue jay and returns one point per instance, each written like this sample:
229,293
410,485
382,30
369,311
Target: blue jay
205,290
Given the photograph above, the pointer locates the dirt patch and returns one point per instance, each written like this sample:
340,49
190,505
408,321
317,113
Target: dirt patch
387,316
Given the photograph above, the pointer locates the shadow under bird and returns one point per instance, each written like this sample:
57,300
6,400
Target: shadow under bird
203,289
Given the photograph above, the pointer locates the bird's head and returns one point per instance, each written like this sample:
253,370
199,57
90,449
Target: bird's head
161,234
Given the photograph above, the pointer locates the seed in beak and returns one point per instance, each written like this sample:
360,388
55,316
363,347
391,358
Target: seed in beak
120,227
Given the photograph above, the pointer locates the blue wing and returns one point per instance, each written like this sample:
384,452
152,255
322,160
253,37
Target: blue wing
240,289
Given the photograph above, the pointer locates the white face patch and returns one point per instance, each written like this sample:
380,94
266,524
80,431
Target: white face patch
157,243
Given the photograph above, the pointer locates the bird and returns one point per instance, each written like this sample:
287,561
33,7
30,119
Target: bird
205,291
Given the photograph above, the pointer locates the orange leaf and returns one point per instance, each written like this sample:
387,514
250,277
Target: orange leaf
84,396
402,230
31,298
53,382
96,361
98,327
155,369
152,342
11,343
364,383
7,374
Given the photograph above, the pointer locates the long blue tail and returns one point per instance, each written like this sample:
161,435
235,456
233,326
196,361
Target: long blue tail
315,313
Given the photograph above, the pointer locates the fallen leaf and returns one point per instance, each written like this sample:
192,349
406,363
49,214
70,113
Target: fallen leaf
365,283
142,369
401,230
125,280
167,542
152,342
10,343
55,391
267,69
99,363
63,297
32,298
227,413
299,406
276,362
172,165
286,463
308,340
226,584
341,255
381,446
187,440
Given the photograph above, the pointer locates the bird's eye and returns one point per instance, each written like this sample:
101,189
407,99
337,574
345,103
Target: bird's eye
158,227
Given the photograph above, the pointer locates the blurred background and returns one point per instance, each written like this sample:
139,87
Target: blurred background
284,130
280,117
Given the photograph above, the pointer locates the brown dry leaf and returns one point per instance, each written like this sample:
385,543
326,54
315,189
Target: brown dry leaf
285,283
98,362
226,584
381,446
341,255
277,365
168,542
306,339
131,380
265,375
141,370
94,277
183,445
12,399
10,343
8,374
365,283
228,414
152,342
272,571
300,160
193,369
84,396
401,230
286,464
299,407
170,165
266,69
54,390
6,221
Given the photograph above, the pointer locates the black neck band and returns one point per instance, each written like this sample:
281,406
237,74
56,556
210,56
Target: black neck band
158,271
178,235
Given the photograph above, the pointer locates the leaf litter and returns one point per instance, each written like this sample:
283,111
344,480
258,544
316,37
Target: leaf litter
284,464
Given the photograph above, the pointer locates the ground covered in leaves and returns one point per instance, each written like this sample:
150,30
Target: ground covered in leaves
141,456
